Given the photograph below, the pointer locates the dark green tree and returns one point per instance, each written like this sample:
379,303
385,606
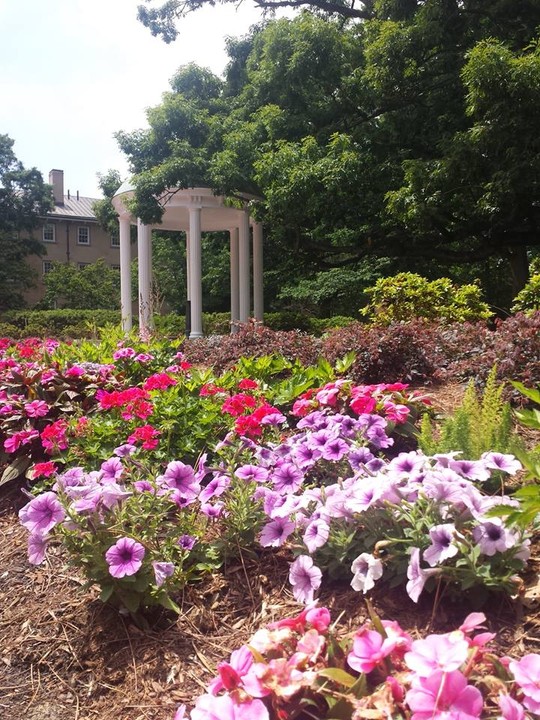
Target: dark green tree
401,129
24,198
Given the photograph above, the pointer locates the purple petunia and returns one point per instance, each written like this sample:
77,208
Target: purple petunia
125,557
162,571
442,544
251,473
42,513
316,534
287,478
187,542
366,569
276,532
417,576
492,537
112,470
305,578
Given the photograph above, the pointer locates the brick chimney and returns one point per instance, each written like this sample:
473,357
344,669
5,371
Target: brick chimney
56,179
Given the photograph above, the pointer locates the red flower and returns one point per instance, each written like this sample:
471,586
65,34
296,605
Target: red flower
44,469
247,384
159,381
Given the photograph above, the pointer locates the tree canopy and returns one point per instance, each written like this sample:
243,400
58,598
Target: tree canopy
393,129
24,197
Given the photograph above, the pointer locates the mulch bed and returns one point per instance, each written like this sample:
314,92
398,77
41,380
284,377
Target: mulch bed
66,656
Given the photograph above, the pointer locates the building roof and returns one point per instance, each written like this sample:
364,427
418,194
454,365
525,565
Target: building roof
73,208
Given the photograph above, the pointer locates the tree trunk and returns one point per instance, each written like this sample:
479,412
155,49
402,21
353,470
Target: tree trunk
519,267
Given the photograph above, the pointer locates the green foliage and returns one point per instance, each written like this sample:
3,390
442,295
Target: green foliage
480,424
411,136
407,296
92,287
529,298
527,514
24,197
65,323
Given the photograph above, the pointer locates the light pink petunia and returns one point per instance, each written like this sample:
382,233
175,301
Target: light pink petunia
444,695
437,652
223,707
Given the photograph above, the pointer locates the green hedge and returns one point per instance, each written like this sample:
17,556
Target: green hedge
83,323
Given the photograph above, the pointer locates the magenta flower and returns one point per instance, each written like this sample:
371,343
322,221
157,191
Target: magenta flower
527,675
36,408
366,569
305,577
125,557
437,652
42,513
369,649
444,695
223,707
276,532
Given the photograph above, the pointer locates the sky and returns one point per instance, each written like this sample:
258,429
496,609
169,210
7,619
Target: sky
74,72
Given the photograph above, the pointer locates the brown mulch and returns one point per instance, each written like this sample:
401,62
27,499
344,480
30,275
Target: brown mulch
66,656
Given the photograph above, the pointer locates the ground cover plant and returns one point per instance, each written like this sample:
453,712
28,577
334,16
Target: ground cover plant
269,459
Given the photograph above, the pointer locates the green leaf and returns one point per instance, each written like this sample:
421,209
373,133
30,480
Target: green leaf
106,592
16,468
338,675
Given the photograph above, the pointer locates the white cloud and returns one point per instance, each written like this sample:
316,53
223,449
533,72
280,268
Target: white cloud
74,73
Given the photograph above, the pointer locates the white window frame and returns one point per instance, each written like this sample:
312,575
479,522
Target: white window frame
48,265
49,226
87,231
115,241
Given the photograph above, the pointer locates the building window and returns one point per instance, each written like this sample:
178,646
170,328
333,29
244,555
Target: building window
47,266
83,265
115,267
49,234
83,236
115,241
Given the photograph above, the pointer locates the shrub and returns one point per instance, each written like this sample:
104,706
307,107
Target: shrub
60,323
407,296
222,352
407,352
528,299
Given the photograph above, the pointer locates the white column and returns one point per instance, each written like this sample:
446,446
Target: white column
144,241
125,273
243,268
195,272
258,290
235,297
188,271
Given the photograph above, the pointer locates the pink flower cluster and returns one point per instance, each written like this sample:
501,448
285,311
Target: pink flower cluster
299,662
387,399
